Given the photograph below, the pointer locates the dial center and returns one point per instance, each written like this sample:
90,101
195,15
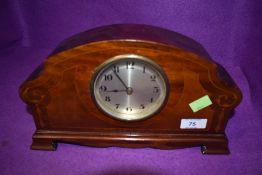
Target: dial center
129,91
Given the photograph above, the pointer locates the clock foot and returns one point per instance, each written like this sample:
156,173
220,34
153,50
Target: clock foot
215,149
43,144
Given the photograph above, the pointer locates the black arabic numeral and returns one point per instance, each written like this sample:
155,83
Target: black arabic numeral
117,106
103,88
151,100
129,109
116,68
142,106
156,90
130,64
153,77
107,98
108,77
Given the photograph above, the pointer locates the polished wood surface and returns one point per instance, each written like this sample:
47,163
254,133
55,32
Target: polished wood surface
58,92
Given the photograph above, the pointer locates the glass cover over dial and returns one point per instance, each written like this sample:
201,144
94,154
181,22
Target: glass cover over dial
129,87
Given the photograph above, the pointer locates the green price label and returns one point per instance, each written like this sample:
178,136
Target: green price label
200,103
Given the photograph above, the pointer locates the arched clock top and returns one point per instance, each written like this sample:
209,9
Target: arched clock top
140,32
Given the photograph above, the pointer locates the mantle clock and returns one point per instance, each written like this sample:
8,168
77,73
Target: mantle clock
131,85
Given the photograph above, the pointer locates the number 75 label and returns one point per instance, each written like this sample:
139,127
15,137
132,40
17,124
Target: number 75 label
193,123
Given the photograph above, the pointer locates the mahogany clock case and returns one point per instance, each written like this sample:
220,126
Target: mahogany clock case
58,92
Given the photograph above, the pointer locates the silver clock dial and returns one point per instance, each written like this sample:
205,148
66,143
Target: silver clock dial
129,87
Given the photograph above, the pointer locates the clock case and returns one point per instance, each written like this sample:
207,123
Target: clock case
57,93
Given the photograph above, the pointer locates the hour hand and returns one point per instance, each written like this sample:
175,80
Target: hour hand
116,90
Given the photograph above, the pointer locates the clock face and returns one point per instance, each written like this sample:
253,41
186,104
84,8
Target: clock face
129,87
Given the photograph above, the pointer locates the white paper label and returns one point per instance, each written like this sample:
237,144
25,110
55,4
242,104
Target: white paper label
193,123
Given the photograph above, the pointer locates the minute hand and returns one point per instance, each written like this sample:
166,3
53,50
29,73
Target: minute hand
120,79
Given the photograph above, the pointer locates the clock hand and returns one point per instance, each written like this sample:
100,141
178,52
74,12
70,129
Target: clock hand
115,90
120,80
129,90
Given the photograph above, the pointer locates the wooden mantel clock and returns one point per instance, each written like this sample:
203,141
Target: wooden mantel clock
133,86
